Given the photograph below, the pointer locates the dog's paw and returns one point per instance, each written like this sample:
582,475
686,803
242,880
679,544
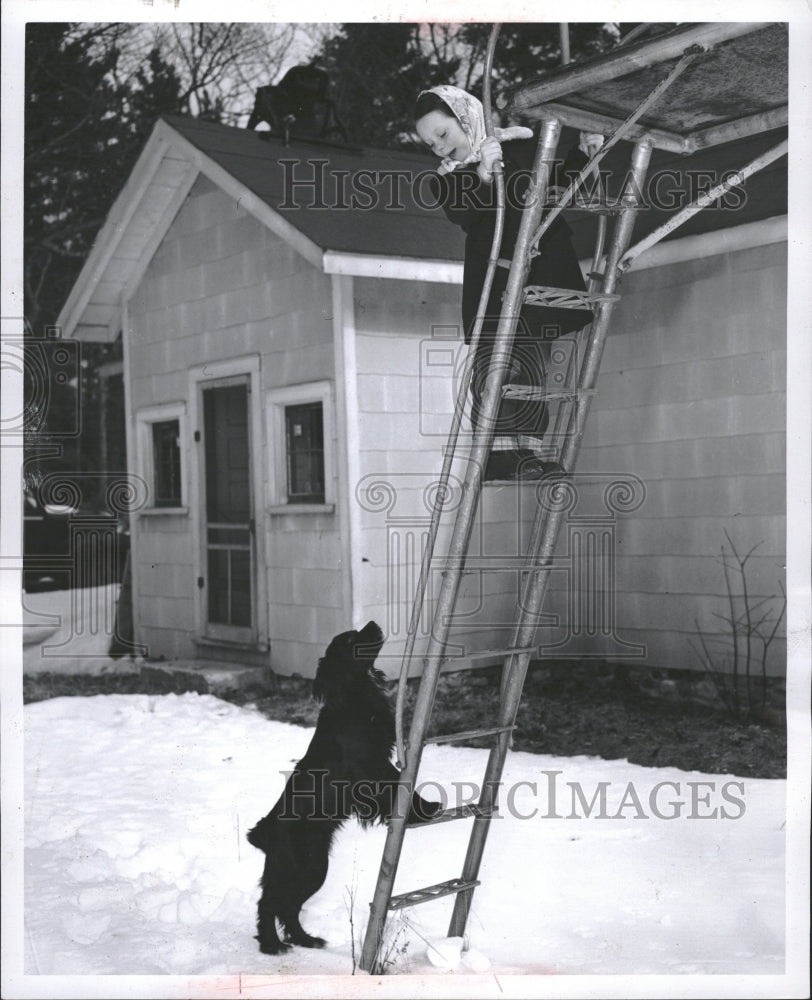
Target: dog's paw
307,941
273,947
258,836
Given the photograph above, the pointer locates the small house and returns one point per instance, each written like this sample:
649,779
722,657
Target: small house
289,319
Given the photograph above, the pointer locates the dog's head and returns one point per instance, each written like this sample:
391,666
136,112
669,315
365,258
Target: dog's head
349,659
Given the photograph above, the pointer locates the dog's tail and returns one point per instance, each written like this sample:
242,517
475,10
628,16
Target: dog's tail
260,836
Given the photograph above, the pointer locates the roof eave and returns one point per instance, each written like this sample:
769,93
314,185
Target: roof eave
358,265
109,236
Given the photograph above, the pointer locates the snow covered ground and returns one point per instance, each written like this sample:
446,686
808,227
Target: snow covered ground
69,631
136,808
136,863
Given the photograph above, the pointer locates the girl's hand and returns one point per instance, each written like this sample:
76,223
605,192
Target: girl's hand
590,141
490,153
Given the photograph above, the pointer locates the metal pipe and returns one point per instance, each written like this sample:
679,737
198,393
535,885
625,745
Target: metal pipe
593,121
715,135
702,202
741,237
441,494
633,33
564,38
623,60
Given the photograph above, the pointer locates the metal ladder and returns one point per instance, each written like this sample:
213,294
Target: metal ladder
600,297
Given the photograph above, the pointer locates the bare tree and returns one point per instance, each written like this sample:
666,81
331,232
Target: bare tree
219,64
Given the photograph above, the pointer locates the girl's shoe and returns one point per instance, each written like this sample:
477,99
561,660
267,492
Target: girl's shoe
530,467
501,465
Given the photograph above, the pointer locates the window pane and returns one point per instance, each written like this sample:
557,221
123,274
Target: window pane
166,458
304,427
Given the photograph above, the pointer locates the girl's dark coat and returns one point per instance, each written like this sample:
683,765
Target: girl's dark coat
471,203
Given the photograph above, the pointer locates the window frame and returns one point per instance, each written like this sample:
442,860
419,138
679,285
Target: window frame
302,414
146,419
277,401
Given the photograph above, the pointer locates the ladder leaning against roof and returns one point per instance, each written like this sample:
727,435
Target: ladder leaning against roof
688,46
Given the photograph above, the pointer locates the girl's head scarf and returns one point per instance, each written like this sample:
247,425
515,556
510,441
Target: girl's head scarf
469,112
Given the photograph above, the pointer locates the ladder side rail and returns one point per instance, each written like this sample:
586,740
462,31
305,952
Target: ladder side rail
463,525
483,435
573,364
621,238
551,513
524,631
544,533
441,494
593,284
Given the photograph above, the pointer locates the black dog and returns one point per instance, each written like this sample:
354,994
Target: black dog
299,105
346,771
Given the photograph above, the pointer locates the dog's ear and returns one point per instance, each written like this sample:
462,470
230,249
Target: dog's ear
321,682
333,675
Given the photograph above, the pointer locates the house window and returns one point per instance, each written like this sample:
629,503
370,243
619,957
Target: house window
161,436
301,466
166,463
304,445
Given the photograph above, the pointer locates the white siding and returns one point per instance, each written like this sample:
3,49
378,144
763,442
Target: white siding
690,411
222,286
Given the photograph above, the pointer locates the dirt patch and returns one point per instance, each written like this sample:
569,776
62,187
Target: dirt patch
648,717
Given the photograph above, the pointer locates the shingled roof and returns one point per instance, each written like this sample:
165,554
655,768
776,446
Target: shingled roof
368,194
404,228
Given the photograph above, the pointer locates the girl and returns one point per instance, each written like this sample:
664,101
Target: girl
452,124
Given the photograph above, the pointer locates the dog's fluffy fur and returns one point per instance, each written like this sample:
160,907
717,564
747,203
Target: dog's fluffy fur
346,771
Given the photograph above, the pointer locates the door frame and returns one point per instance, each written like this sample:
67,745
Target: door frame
210,376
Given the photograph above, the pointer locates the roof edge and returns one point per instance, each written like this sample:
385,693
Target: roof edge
112,230
163,138
247,199
359,265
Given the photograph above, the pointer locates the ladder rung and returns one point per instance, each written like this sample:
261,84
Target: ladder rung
486,654
564,298
583,202
470,735
468,811
595,207
431,892
513,391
